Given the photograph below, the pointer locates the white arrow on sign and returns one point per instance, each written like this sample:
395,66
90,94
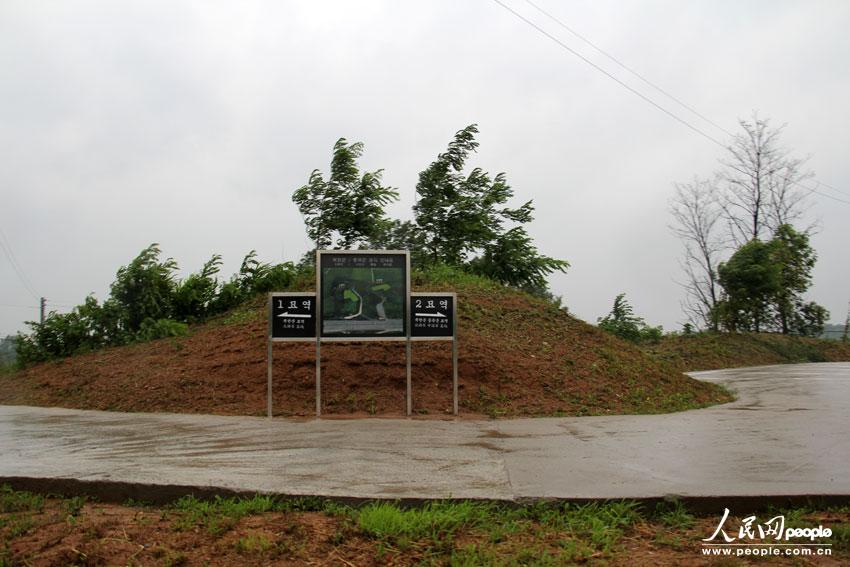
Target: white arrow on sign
287,314
437,314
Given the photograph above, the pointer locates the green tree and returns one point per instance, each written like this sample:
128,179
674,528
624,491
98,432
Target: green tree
513,259
809,319
194,296
145,288
796,259
459,214
764,283
750,280
464,220
348,206
623,322
402,235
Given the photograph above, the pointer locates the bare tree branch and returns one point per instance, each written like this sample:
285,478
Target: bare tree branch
762,190
696,213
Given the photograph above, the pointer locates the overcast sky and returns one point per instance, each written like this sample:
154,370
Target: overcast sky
190,124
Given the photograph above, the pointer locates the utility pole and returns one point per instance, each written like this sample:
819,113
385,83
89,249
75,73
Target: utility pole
846,324
43,305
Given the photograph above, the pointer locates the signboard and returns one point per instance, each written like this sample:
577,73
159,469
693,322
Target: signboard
432,316
292,316
363,294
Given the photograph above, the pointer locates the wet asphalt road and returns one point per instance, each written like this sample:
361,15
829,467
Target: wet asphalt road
788,434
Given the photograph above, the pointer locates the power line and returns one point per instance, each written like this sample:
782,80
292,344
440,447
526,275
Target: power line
658,88
629,69
609,75
641,95
833,188
7,251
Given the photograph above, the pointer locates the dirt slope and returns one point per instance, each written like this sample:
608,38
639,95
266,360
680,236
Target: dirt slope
712,351
519,355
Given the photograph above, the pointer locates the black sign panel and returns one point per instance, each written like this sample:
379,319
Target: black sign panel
293,316
432,315
363,294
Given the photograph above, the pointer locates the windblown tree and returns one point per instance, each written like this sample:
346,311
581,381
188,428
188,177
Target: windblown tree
461,219
464,220
761,179
145,288
696,215
347,209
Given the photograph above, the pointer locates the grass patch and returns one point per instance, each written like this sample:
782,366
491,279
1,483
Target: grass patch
674,515
711,351
434,521
19,501
312,530
254,544
220,514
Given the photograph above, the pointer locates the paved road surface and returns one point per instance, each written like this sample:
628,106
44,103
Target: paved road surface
787,434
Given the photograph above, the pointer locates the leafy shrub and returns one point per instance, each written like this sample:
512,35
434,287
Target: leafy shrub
145,288
254,277
160,329
147,303
194,295
87,327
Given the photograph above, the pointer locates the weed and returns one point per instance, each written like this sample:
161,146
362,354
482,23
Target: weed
601,524
175,559
434,521
669,540
841,537
351,402
73,506
19,501
574,550
674,515
254,543
240,316
371,405
18,526
220,514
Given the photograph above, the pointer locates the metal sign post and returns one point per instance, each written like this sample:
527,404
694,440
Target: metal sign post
292,317
433,317
318,376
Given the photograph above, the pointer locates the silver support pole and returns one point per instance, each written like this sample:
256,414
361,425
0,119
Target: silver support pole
269,358
454,354
318,376
454,374
409,381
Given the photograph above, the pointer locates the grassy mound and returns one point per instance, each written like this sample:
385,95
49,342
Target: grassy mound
519,355
710,351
